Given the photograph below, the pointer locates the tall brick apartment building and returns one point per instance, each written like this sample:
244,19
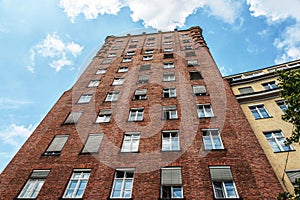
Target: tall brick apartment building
150,118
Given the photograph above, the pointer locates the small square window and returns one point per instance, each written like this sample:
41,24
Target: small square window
136,114
132,46
212,139
111,55
93,143
259,111
190,54
168,49
145,67
246,90
77,184
186,41
170,140
112,96
169,77
119,42
140,94
150,44
107,61
149,51
168,42
168,37
73,117
115,47
151,39
191,63
130,53
125,60
277,140
169,92
199,90
185,35
188,47
168,55
123,184
282,105
131,142
123,69
118,81
171,183
85,98
168,65
101,71
104,116
150,57
270,85
94,83
169,112
56,145
204,110
143,79
134,40
195,75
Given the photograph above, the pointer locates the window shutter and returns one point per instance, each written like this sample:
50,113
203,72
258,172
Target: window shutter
173,107
220,173
293,175
145,67
171,176
143,79
246,90
105,112
58,143
93,143
39,173
140,92
188,54
199,89
73,117
195,75
192,62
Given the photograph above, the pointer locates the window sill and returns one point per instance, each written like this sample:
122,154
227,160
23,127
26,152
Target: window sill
285,151
264,118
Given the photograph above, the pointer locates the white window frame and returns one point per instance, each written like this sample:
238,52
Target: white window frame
149,51
172,191
169,65
224,191
169,113
112,96
111,55
124,179
212,134
142,95
256,108
85,98
170,91
204,107
169,77
94,83
168,49
123,69
125,60
149,57
150,44
101,71
167,142
131,142
282,105
130,53
279,141
168,42
118,81
103,118
135,112
82,177
143,80
270,85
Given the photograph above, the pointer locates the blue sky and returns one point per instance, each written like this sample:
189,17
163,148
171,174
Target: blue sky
45,43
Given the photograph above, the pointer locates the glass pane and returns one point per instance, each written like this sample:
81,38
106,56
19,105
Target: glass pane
177,192
230,190
72,184
28,188
166,192
120,174
118,185
127,194
38,188
69,193
201,113
82,185
129,174
76,174
128,184
263,112
207,143
274,145
218,190
255,114
116,193
217,141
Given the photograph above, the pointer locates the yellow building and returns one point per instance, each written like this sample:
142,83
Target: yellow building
258,95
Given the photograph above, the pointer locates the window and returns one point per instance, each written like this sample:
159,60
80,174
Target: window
130,53
246,90
140,94
150,44
111,55
270,85
132,46
199,90
104,116
282,105
119,42
131,142
186,41
168,55
168,65
254,74
195,75
171,183
151,39
169,112
85,98
204,110
112,96
34,184
276,140
118,81
136,114
123,183
170,141
293,175
94,83
77,184
168,49
56,145
92,143
123,69
168,42
191,63
168,37
188,47
147,57
222,181
101,71
149,51
185,35
73,117
169,77
145,67
134,40
237,78
190,54
115,48
126,60
169,92
259,111
107,61
212,139
143,79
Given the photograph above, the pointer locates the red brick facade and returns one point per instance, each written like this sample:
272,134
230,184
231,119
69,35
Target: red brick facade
251,172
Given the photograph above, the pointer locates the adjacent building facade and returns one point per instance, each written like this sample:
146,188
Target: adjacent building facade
258,94
150,118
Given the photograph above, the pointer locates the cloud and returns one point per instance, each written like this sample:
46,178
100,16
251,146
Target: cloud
274,12
225,71
162,15
58,51
6,103
15,135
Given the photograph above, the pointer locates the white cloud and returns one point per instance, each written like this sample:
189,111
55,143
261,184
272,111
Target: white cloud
289,41
58,51
6,103
225,71
162,15
15,135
